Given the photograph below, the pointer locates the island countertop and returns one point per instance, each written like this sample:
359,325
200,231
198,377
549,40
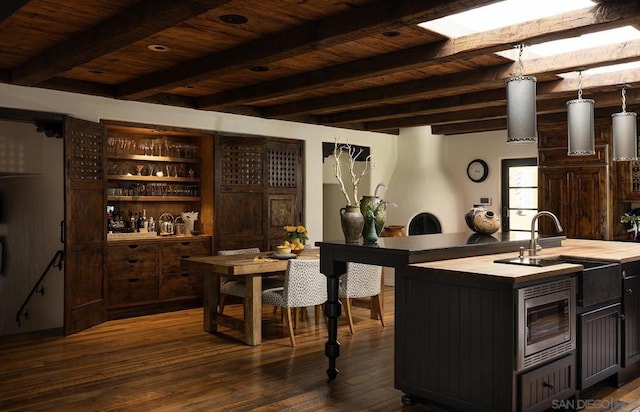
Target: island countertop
597,250
398,251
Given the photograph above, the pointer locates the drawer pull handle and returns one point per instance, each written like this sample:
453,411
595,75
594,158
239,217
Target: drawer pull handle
132,260
184,275
133,246
185,257
547,385
185,243
621,316
134,280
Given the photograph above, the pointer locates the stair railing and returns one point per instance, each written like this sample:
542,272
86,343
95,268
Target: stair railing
56,261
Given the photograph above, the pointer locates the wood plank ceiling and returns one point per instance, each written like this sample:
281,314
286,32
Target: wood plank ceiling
358,64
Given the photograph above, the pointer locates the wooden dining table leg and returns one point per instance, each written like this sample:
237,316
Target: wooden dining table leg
253,310
211,295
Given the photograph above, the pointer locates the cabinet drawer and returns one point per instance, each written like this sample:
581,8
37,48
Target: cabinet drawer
132,251
541,386
131,291
181,285
132,268
186,248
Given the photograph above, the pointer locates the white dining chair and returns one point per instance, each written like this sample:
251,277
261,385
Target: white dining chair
360,281
237,287
303,286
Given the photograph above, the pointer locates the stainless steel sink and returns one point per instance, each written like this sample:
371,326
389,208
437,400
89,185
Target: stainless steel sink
530,261
597,282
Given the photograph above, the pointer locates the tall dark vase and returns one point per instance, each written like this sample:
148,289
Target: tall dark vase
370,236
380,212
352,223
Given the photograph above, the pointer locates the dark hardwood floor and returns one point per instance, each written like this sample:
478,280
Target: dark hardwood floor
166,362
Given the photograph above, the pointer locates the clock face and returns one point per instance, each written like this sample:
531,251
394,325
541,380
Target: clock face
477,170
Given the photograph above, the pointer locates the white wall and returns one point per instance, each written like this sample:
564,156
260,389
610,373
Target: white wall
97,108
431,174
20,149
32,209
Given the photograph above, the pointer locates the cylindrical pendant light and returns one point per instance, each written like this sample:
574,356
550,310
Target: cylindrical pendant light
625,135
522,122
580,124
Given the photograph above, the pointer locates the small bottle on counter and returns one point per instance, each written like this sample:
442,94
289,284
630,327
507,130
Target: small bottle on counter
151,225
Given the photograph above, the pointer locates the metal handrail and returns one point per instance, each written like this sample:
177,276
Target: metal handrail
56,261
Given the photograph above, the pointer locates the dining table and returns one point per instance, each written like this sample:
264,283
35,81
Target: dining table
251,267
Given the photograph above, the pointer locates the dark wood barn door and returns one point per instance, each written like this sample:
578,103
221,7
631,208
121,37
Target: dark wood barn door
84,225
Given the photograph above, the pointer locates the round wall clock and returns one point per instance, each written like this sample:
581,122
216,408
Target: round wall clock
477,170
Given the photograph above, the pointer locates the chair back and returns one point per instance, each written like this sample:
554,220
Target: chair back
360,281
304,285
238,251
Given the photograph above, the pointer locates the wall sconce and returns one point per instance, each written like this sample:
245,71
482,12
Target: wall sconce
522,125
580,124
625,136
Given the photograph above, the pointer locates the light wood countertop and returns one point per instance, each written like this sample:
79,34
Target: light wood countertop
598,250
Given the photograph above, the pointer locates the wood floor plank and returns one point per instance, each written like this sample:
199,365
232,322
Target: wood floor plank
166,362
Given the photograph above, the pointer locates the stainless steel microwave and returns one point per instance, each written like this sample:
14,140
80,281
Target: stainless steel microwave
546,322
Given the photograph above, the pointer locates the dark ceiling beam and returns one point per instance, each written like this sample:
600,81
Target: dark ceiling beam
352,25
547,121
9,7
606,103
138,22
602,17
562,88
78,86
448,104
467,127
491,77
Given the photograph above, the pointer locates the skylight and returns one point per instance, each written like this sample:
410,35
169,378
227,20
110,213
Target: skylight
510,12
586,41
502,14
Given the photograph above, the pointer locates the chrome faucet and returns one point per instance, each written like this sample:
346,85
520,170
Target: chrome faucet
533,245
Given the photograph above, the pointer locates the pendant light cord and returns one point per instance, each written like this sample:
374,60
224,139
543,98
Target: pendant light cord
579,84
520,64
624,100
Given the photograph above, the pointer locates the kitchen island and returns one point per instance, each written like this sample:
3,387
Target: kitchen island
456,328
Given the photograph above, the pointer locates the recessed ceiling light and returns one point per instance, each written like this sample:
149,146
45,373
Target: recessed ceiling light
159,48
259,69
233,19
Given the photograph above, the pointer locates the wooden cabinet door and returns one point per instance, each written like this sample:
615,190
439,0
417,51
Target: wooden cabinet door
258,190
553,195
240,175
84,226
588,204
578,196
284,190
631,324
599,342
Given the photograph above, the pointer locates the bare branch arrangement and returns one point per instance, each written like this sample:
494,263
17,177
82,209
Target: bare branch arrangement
353,155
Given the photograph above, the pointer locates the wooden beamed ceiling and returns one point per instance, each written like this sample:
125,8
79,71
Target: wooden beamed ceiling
358,64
